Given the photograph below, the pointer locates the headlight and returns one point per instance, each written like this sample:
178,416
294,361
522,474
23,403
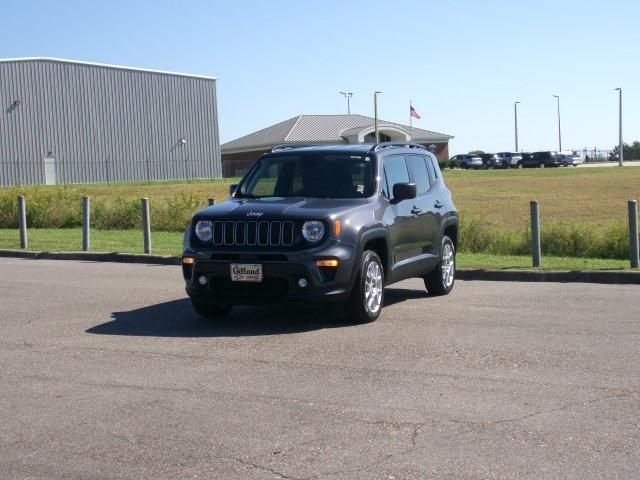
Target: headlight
313,231
204,231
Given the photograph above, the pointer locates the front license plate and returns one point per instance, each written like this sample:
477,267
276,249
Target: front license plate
246,272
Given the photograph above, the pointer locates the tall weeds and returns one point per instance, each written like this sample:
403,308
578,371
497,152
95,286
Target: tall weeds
61,208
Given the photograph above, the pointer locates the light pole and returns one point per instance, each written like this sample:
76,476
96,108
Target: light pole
559,130
620,144
515,116
348,96
375,115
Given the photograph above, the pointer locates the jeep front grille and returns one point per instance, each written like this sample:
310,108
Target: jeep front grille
253,233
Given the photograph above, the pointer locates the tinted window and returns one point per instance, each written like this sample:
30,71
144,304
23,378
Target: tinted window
395,169
311,175
420,173
434,169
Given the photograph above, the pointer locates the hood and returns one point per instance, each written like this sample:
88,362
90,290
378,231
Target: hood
278,207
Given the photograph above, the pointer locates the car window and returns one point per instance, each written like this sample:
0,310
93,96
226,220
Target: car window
395,170
418,167
434,170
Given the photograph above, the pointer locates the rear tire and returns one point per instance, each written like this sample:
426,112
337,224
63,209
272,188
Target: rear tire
441,279
367,297
208,309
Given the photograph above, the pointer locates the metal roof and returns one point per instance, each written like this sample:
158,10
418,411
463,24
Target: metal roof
103,65
321,129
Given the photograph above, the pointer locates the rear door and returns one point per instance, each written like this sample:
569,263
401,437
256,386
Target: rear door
425,206
401,221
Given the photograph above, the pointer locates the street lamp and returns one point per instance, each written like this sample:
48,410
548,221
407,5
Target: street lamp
375,115
348,96
559,131
515,116
620,144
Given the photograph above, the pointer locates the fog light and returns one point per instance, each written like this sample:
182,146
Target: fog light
188,260
202,280
302,283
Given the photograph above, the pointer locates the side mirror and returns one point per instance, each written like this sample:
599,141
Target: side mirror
232,189
404,191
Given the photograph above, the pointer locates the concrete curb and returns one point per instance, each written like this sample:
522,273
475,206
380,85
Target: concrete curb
94,257
566,276
577,276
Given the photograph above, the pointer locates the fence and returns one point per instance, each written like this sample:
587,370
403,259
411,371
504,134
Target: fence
52,171
595,154
536,251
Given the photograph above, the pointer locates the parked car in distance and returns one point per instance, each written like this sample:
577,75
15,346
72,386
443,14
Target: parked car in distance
510,159
491,160
571,158
466,161
544,160
324,224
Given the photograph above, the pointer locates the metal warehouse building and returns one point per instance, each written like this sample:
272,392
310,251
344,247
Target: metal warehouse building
76,122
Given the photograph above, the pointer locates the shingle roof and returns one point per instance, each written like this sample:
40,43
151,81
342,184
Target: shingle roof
321,129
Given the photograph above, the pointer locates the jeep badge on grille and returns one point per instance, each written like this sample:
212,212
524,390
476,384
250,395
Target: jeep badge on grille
254,214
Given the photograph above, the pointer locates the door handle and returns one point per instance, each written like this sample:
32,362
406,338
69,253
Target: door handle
438,204
415,210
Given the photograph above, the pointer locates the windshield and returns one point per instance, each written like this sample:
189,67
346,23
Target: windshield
311,175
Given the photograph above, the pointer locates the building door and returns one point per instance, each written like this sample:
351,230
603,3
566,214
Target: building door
50,177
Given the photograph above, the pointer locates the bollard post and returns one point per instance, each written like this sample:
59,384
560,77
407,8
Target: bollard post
22,221
535,233
633,234
146,225
86,224
212,201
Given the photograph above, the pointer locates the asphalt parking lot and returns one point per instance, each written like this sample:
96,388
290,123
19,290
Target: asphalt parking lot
105,372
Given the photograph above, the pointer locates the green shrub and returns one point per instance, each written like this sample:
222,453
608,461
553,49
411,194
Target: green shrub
61,207
176,214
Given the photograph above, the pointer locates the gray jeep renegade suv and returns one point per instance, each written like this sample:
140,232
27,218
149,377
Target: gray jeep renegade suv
328,224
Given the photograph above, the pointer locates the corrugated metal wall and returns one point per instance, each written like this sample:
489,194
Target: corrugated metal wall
104,124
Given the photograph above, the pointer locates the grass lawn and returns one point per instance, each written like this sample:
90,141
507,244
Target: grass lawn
170,243
594,197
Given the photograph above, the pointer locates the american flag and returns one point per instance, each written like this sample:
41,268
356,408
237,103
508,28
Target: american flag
413,112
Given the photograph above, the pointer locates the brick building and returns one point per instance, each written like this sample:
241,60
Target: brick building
238,155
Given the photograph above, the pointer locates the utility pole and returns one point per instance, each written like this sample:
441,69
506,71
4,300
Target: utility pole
348,96
515,115
375,114
620,144
559,130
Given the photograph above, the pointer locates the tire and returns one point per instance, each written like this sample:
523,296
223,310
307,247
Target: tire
439,281
367,297
207,309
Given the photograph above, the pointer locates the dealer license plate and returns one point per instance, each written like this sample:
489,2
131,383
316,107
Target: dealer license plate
246,272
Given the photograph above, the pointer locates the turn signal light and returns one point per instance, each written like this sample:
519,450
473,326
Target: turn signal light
337,228
188,260
328,263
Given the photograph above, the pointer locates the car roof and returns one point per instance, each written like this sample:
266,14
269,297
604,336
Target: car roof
361,148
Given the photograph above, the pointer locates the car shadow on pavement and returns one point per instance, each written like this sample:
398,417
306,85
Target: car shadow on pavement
176,318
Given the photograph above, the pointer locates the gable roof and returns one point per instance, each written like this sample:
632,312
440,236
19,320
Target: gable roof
321,129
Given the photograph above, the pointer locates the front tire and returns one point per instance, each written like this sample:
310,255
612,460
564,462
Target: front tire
208,309
441,279
366,300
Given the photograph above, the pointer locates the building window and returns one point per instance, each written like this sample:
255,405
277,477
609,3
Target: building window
371,137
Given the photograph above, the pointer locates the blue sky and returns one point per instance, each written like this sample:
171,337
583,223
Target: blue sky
463,63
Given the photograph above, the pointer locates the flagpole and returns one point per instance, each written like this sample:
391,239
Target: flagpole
410,116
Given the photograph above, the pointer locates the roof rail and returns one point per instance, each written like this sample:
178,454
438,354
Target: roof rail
286,146
382,145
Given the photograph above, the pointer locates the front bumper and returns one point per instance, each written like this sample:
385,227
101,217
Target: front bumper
281,271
